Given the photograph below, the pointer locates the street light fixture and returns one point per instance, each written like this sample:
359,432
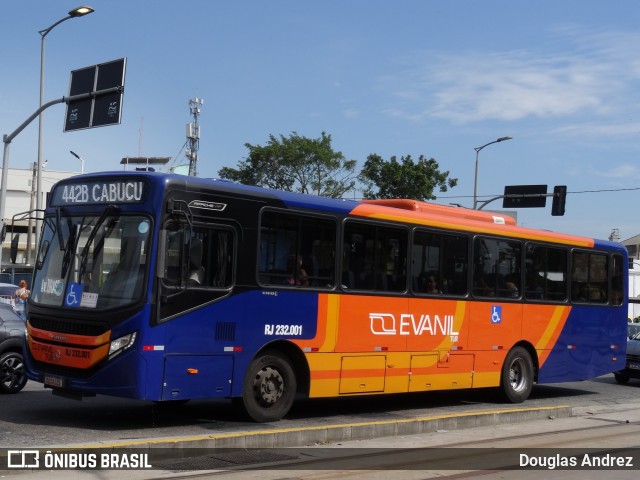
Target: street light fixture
475,182
79,158
76,12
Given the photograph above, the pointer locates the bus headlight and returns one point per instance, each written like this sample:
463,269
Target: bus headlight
121,344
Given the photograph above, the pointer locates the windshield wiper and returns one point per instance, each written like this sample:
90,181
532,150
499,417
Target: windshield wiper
74,236
59,228
85,251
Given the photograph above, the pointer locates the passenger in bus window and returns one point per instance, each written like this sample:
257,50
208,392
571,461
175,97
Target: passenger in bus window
616,297
511,290
432,286
577,293
298,275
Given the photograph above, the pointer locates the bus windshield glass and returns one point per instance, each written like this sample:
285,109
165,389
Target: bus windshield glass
94,262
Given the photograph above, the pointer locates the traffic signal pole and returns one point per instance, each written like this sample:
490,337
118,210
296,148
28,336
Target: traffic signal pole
557,207
7,138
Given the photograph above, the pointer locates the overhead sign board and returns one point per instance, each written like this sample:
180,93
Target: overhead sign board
100,110
524,196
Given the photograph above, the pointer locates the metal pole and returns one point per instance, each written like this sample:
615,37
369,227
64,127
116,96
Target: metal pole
39,161
81,161
31,206
475,181
76,12
3,189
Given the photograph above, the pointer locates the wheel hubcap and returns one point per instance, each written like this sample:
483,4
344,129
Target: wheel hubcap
11,373
268,386
517,376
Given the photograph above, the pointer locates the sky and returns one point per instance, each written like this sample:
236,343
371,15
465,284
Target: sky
395,78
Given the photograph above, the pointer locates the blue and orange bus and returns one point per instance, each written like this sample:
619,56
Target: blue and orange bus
168,288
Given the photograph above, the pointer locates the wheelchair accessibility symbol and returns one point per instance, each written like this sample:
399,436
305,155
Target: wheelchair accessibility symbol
496,314
74,295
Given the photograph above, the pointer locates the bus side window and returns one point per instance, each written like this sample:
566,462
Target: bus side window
196,270
210,257
296,251
174,257
374,257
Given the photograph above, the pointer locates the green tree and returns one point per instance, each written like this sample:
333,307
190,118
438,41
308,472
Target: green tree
295,164
404,178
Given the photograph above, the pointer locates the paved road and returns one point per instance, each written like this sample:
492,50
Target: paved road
35,417
606,426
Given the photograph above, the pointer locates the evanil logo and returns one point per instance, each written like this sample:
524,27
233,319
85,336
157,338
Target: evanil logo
409,324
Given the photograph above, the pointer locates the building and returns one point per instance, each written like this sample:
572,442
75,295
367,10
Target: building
633,247
21,198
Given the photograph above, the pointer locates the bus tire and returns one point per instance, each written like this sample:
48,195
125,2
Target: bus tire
517,376
269,388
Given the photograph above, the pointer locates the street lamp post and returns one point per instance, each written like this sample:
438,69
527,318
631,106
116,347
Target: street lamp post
81,161
76,12
475,182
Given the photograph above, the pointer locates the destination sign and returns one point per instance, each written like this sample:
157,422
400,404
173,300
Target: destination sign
97,192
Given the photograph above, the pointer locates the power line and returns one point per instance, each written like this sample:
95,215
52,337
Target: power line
577,192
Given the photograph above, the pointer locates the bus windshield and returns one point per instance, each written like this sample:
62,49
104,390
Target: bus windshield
92,261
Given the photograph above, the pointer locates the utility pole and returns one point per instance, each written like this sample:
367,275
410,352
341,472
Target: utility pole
193,134
31,207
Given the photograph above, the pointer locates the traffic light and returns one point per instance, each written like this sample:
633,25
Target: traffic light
559,200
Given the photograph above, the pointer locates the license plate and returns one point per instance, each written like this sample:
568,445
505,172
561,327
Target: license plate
56,382
634,366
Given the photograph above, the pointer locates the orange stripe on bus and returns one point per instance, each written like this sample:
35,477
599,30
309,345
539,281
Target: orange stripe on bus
68,338
467,225
551,333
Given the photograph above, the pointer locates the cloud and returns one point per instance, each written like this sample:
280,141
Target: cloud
595,75
350,113
624,171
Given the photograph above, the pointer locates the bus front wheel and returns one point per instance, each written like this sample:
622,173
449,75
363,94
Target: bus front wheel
269,388
517,375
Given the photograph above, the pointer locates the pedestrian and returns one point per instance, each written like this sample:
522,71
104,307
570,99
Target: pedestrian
21,299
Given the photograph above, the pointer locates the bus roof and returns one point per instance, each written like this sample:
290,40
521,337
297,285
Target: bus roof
402,210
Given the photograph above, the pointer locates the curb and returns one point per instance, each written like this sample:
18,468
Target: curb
327,434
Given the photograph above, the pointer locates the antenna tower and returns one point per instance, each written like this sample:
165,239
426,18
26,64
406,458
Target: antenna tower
193,135
615,235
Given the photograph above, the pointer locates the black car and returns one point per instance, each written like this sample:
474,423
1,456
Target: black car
12,331
632,368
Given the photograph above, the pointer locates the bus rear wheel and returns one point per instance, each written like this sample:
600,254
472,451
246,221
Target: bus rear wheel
517,376
269,388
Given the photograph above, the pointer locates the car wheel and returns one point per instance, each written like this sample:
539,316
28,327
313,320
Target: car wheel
12,376
621,378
